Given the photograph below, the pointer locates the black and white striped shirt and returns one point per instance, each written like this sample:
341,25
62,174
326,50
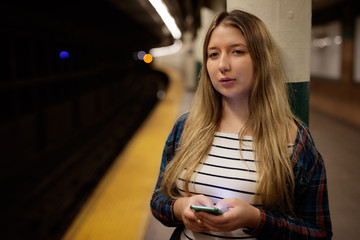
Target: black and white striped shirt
224,174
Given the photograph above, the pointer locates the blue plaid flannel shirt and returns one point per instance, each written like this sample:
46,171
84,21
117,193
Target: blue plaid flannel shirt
311,204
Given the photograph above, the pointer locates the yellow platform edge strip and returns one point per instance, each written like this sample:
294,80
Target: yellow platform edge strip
119,206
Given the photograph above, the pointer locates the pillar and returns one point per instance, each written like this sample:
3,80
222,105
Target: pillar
289,22
348,44
207,15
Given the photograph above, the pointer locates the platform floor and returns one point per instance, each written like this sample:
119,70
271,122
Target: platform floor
119,207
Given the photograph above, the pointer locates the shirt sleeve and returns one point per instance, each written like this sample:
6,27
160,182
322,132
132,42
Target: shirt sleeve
162,207
312,220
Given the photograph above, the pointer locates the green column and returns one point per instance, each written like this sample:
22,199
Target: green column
299,100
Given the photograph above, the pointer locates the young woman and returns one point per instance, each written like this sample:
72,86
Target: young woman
241,148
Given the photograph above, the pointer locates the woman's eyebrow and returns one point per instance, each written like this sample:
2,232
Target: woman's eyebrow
231,46
213,48
238,45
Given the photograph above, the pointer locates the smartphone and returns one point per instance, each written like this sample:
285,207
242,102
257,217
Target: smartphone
212,210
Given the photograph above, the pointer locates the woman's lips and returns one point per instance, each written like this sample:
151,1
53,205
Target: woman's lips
227,81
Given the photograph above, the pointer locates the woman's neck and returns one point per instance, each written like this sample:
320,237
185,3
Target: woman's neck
234,116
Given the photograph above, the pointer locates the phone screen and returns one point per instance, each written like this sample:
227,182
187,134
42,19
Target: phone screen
212,210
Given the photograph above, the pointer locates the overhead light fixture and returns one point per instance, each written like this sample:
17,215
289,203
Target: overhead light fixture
165,15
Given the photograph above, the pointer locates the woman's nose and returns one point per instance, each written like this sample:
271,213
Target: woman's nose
224,64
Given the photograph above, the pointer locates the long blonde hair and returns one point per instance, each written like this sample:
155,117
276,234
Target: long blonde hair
269,121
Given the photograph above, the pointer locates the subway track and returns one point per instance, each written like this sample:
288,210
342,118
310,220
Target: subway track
45,190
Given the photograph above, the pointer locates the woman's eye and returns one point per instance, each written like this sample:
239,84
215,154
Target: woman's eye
239,52
213,54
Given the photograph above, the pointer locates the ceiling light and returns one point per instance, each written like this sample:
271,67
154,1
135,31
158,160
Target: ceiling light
169,21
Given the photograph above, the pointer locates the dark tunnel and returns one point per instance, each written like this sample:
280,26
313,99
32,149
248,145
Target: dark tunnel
72,94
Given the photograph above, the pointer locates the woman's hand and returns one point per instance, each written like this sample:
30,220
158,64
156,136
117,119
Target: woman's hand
183,212
240,214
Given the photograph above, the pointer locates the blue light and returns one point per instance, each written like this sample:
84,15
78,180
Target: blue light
141,55
64,55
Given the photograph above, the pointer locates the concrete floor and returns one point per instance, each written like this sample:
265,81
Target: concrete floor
339,145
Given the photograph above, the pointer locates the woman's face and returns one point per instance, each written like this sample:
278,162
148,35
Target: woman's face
229,64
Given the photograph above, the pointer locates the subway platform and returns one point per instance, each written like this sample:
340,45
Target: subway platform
119,206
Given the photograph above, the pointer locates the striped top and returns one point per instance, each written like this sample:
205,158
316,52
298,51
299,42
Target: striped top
225,173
